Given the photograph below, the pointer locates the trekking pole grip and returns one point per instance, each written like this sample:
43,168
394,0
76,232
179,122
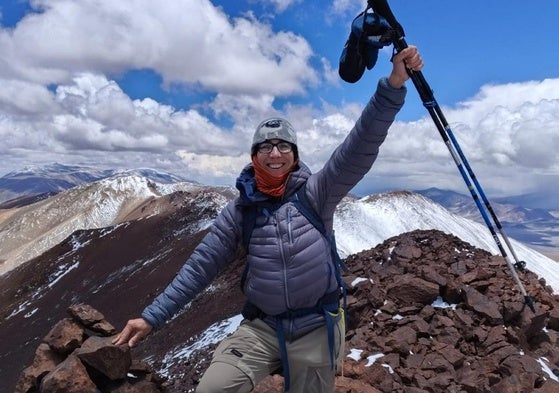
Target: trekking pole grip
382,8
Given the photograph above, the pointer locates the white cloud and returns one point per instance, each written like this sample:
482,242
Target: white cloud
224,168
21,98
186,42
506,138
243,108
329,74
281,5
508,133
343,6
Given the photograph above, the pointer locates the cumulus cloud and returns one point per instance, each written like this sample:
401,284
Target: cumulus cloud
22,98
504,138
92,114
243,108
186,42
508,133
222,168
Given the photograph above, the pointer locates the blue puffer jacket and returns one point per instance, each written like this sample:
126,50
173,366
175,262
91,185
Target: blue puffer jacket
290,263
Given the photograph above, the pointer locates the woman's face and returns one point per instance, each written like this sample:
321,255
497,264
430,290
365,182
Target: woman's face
274,161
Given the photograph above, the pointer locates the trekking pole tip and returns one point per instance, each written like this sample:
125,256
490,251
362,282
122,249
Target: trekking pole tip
529,301
521,266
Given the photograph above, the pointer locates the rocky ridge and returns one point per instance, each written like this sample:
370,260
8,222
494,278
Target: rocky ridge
427,312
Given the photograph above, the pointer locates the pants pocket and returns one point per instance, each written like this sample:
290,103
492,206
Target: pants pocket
339,334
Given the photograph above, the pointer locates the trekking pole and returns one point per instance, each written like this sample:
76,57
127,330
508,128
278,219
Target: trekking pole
382,8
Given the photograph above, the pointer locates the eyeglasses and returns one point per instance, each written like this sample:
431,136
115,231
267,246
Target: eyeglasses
267,147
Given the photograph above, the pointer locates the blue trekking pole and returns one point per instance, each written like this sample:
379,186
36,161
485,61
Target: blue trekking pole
351,73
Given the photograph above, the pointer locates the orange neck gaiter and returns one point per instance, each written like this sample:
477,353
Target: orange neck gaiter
268,183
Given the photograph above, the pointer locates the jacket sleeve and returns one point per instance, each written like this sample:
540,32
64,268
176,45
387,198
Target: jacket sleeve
351,161
217,249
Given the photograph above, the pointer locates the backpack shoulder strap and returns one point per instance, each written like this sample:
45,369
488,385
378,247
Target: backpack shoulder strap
303,204
305,207
250,213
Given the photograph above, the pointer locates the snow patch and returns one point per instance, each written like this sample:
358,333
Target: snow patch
214,334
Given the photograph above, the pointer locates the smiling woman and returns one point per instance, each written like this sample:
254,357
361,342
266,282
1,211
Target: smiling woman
273,162
274,151
292,281
274,155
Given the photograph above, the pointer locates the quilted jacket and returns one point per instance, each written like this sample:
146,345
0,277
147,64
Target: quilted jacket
290,263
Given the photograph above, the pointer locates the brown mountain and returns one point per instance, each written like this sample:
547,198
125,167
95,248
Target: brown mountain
486,340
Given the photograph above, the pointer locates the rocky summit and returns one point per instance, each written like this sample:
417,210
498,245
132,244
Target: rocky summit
426,312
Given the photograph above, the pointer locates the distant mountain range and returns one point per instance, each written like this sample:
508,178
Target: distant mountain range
113,198
505,210
536,227
40,182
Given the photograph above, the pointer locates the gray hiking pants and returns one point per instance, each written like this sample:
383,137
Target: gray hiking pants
252,353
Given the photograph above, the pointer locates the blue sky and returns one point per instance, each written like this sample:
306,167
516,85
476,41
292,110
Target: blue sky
179,86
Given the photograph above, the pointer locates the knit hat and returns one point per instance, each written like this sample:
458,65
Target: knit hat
274,128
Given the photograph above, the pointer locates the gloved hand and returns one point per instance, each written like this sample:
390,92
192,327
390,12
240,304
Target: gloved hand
369,33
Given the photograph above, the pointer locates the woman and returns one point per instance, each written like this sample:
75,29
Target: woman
292,321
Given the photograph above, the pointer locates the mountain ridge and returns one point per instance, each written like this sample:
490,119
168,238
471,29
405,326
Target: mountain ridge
532,225
118,268
51,179
30,230
401,337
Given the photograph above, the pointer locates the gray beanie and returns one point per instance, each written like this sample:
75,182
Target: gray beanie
274,128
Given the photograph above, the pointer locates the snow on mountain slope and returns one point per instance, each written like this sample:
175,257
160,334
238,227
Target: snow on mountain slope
362,224
50,178
54,178
534,226
359,224
30,230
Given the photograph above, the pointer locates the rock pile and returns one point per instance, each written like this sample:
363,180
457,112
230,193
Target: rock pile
77,356
431,313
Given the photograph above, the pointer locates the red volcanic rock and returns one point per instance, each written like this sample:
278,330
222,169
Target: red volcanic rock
427,312
74,361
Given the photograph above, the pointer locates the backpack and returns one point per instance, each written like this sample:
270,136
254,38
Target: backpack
328,304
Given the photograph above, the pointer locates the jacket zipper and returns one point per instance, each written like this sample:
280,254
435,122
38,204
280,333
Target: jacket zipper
283,261
289,226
